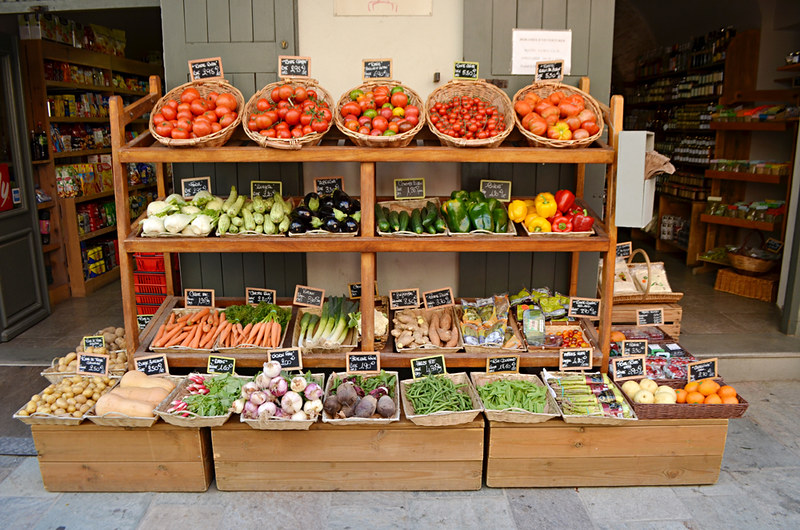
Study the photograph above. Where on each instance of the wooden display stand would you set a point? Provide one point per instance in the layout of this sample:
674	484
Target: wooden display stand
396	456
625	315
644	453
89	457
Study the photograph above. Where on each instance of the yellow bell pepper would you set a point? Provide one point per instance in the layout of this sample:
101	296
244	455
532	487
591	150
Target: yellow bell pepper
537	224
530	204
546	205
517	210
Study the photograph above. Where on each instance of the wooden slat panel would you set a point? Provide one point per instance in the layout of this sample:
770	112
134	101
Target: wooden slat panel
190	270
225	176
578	14
246	83
211	271
504	16
219	30
125	476
601	25
284	29
477	35
241	21
529	14
265	78
195	21
264	12
554	14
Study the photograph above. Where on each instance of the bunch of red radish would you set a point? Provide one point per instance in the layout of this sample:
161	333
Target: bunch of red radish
558	116
198	386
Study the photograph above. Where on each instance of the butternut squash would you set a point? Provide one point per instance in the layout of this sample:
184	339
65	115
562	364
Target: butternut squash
139	379
116	404
154	396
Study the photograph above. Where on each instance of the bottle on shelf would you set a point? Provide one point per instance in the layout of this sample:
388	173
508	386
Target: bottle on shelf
41	141
44	226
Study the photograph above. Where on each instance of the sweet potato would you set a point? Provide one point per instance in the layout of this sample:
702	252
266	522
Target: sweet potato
432	330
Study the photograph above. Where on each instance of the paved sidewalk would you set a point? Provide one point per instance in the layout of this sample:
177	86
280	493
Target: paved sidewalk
759	488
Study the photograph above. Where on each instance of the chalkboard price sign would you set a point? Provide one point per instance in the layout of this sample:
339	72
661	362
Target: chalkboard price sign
404	299
433	365
92	364
497	189
193	186
575	359
153	365
706	369
220	365
377	69
290	358
308	296
584	307
650	317
628	367
95	341
355	290
327	185
409	189
293	66
266	188
363	362
198	297
624	249
209	68
503	365
438	298
255	295
549	70
634	347
773	245
465	70
143	320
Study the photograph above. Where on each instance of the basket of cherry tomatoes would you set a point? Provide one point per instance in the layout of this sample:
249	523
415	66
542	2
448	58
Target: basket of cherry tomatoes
470	114
288	114
557	115
380	113
202	113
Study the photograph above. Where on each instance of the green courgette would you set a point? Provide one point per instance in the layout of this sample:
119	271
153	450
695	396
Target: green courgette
416	221
404	219
380	219
394	220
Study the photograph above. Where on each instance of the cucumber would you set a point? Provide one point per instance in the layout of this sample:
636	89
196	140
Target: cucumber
429	214
404	219
416	221
380	220
439	225
394	220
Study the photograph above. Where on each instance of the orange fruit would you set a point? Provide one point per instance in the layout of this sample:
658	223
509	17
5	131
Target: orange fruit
727	391
713	399
681	395
617	336
730	400
694	398
708	387
691	387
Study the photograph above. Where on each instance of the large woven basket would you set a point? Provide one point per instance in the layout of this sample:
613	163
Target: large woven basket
327	418
286	143
365	140
204	87
192	420
750	265
513	415
444	417
646	297
688	411
544	89
481	89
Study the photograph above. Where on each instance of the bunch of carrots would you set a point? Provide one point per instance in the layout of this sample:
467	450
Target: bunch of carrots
198	330
266	334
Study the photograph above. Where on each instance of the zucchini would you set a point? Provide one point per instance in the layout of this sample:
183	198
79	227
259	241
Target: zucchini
237	221
380	219
234	210
230	200
416	221
404	219
249	223
394	220
224	223
429	214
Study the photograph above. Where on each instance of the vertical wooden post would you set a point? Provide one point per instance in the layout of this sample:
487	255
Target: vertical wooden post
368	259
580	179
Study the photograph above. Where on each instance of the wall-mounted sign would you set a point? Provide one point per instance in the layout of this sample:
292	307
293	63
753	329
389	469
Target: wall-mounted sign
531	46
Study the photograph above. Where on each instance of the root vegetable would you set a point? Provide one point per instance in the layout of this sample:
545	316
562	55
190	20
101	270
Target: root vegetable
445	335
299	416
347	395
332	405
432	330
278	386
299	384
446	321
453	342
272	369
366	407
313	391
291	402
312	408
250	387
267	410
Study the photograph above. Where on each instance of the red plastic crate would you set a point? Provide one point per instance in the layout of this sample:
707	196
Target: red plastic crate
149	262
150	289
151	299
149	278
147	309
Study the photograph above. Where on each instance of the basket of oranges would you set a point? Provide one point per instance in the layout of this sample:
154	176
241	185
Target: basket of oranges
705	399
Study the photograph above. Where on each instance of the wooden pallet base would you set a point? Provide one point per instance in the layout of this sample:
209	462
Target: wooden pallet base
625	314
89	457
645	453
397	456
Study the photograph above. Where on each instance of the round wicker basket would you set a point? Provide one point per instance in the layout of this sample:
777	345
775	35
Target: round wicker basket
480	89
543	90
204	87
365	140
749	264
286	143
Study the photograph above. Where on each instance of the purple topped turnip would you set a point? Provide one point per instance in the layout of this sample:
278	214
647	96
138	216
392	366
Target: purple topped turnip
299	384
278	386
313	391
312	408
291	402
248	388
258	397
272	369
267	410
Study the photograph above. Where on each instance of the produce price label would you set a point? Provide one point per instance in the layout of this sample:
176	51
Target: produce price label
209	68
438	298
409	189
355	290
327	185
634	347
293	66
497	189
503	365
308	296
266	188
220	365
628	367
95	341
377	69
465	70
584	307
773	245
624	249
290	358
193	186
549	70
404	299
143	320
198	297
363	362
153	365
575	359
94	364
706	369
255	295
650	317
433	365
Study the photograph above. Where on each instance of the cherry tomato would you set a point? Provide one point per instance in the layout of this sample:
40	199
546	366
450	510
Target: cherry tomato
253	125
262	121
285	92
300	94
262	104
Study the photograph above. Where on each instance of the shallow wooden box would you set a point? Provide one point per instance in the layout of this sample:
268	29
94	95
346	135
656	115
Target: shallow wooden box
644	453
625	315
90	457
396	456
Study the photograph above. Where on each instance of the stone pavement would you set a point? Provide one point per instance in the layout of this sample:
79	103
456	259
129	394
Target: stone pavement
759	487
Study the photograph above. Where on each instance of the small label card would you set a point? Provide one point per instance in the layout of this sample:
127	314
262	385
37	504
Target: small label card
508	364
293	66
153	365
465	70
496	189
95	341
198	298
209	68
624	249
193	186
584	308
363	362
773	245
549	70
266	188
628	367
220	365
143	320
327	185
255	295
404	299
376	69
290	358
92	364
308	296
355	290
438	298
634	347
433	365
706	369
409	188
575	359
650	317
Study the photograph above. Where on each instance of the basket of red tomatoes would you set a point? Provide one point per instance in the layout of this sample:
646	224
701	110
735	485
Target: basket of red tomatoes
557	115
380	113
288	114
470	114
202	113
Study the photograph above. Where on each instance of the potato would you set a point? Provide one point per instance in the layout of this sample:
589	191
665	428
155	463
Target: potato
30	407
119	332
70	357
109	337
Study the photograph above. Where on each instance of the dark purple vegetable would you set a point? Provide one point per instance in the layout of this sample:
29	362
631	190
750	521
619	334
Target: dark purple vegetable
366	407
386	407
347	395
332	405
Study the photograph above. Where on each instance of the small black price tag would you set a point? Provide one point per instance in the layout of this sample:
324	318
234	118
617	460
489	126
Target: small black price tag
438	298
465	70
584	308
363	362
404	299
265	188
289	358
624	249
634	347
308	296
376	69
92	364
503	365
773	245
355	290
496	189
433	365
549	70
143	320
95	341
153	365
628	367
255	295
220	365
409	188
209	68
706	369
575	359
650	317
327	185
198	298
193	186
293	66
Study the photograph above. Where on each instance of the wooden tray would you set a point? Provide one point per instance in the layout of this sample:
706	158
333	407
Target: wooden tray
409	205
326	418
593	420
193	420
429	348
243	348
113	419
181	349
443	417
685	410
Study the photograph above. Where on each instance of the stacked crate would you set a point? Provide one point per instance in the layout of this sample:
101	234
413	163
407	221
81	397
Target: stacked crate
150	282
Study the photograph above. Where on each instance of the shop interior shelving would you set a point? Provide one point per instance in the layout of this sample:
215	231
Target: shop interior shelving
240	149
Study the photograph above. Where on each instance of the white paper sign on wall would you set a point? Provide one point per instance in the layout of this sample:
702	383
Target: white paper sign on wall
529	46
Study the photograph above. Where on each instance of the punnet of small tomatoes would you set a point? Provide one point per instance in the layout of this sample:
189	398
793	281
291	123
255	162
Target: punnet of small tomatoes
194	115
290	112
379	111
557	116
471	118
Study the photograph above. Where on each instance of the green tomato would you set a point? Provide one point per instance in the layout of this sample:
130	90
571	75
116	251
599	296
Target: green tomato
389	132
370	113
355	93
397	89
387	105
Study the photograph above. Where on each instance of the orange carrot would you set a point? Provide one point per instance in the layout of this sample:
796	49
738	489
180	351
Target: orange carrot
262	326
167	336
171	319
251	336
188	338
202	313
246	330
276	334
161	330
176	340
195	343
225	331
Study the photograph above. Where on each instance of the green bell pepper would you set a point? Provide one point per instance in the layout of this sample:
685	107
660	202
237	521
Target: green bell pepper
477	196
480	217
494	204
459	195
500	220
457	217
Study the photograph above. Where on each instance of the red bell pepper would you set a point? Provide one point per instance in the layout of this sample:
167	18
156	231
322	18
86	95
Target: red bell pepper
564	200
582	221
562	224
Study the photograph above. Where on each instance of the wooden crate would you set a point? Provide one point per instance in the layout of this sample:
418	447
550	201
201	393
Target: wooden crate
626	315
764	288
89	457
647	452
396	456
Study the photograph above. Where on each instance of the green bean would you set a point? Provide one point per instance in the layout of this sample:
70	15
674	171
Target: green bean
437	394
505	393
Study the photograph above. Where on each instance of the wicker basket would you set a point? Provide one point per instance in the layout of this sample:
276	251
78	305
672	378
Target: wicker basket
730	281
646	297
349	344
492	350
480	89
685	410
50	419
543	90
365	140
430	349
564	235
181	349
444	417
409	205
193	420
113	419
204	87
750	265
594	420
286	143
379	343
283	424
551	409
376	420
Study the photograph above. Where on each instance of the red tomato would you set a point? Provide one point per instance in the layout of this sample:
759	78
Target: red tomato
326	114
375	132
404	126
184	107
210	115
185	123
312	94
272	115
351	108
297	132
300	94
221	111
538	127
587	115
282	112
566	108
226	100
399	99
292	117
227	119
411	110
190	94
252	125
164	128
215	127
169	112
305	118
522	107
352	125
543	104
212	97
364	121
285	92
179	133
262	104
364	130
172	104
198	106
307	129
556	97
381	99
158	117
379	123
413	120
275	95
284	133
262	121
573	122
591	127
202	127
386	113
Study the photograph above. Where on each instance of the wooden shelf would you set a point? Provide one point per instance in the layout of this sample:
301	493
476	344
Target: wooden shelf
688	131
110	193
40	162
77	86
83	152
748	125
96	233
126	92
742	176
790	68
51	247
77	119
735	221
45	205
667	102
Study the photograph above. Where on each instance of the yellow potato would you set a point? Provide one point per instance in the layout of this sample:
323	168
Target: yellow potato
77	414
48	390
87	393
59	412
83	408
95	396
76	379
30	407
90	402
36	398
80	398
50	398
71	401
22	413
70	357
